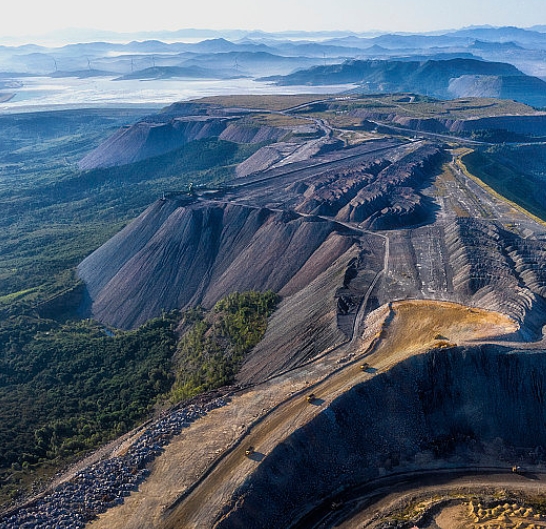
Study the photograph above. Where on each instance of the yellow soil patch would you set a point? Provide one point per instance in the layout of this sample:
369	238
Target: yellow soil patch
418	326
455	517
475	516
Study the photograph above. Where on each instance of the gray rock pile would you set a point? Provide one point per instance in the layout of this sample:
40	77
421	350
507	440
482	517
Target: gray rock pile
105	484
499	270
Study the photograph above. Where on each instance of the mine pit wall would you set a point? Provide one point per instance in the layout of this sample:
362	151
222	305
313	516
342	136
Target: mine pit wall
158	135
496	269
461	407
313	320
473	262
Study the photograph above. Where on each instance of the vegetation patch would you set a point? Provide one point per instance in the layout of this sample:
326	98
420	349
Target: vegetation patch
66	389
495	168
214	344
10	298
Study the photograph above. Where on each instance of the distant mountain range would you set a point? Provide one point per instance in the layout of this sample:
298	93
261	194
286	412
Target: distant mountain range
326	57
438	78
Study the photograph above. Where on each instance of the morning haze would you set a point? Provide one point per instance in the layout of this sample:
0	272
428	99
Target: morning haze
275	265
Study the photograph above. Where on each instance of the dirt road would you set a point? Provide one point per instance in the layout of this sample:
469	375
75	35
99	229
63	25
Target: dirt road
199	472
454	499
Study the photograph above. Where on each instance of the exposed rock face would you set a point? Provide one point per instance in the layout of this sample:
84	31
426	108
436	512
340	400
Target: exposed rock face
461	406
250	133
175	255
473	262
496	268
528	89
380	195
533	125
329	193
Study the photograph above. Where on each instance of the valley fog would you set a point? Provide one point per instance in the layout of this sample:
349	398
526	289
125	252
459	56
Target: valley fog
46	93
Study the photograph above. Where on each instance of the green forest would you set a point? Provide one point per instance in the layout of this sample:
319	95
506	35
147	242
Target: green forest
67	388
216	343
68	385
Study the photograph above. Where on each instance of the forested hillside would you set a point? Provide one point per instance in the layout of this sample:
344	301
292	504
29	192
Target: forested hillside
68	385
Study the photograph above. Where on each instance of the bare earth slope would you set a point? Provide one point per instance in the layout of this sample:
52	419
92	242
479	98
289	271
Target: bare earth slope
355	240
193	254
147	139
163	133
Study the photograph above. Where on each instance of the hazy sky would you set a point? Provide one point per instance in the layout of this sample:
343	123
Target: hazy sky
36	17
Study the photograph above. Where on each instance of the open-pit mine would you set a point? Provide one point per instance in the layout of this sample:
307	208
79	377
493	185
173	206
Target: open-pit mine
401	381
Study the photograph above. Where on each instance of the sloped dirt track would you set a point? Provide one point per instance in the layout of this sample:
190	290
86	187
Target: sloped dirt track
162	501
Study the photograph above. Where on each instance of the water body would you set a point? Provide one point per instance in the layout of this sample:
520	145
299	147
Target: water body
46	93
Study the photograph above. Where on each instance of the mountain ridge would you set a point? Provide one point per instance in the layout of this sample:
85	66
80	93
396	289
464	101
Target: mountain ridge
437	78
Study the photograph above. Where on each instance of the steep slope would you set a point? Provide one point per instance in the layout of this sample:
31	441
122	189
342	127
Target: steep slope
494	267
320	316
161	134
459	407
176	255
393	199
519	88
146	139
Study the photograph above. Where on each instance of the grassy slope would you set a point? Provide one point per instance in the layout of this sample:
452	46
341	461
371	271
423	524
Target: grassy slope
503	171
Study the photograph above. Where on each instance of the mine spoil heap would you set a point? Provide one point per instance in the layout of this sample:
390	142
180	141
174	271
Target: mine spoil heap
367	246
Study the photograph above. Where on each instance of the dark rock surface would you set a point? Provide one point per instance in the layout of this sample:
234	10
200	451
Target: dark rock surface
177	255
496	268
380	195
458	407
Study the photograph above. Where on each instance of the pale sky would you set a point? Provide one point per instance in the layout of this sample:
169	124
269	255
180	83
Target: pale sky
37	17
